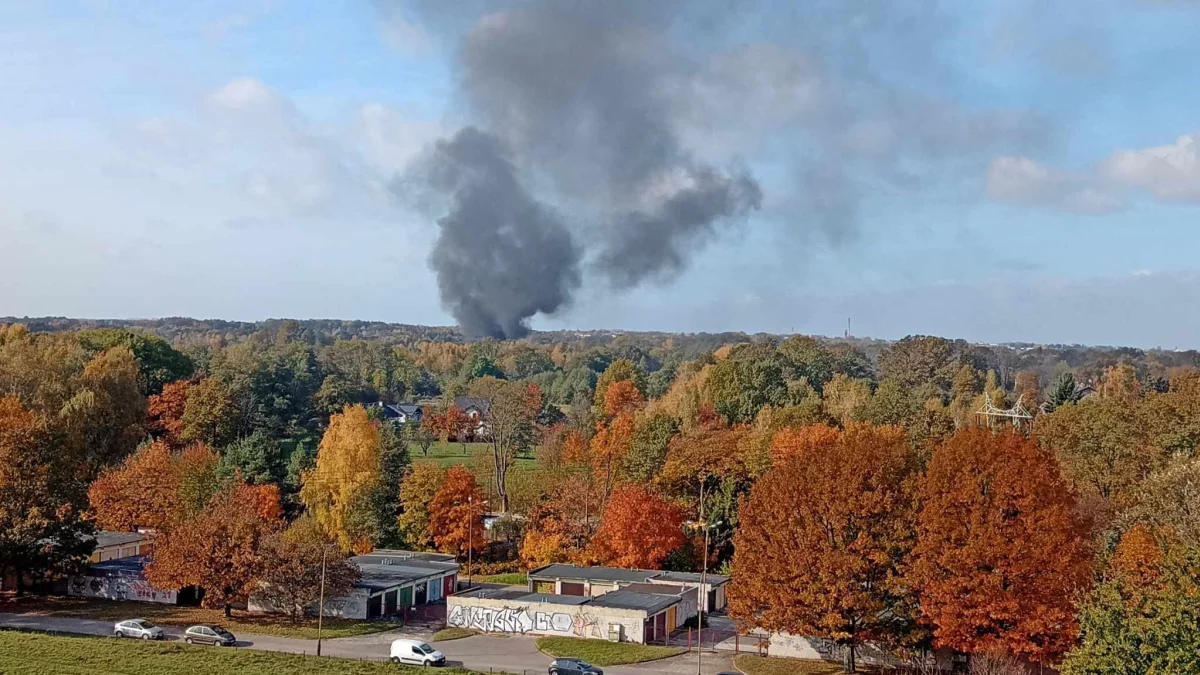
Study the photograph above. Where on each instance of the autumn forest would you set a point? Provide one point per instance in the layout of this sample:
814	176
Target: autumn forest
851	488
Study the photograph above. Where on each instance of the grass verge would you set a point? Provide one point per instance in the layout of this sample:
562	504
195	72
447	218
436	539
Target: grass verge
453	634
41	654
773	665
510	579
172	615
602	653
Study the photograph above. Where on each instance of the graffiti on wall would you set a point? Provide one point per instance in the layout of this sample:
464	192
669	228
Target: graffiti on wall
119	588
521	620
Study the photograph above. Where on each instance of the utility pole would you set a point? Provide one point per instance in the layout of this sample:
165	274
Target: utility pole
470	537
700	597
321	605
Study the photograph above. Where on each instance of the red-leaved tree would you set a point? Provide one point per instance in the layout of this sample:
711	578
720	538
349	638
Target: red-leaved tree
823	535
1001	553
222	548
639	529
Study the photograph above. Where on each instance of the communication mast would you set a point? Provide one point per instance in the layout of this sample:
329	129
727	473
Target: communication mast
1017	414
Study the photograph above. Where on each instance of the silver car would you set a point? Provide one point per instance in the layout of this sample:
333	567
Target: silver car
138	628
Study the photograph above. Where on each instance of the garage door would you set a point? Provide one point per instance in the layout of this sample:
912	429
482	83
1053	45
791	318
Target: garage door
546	587
435	590
406	596
569	588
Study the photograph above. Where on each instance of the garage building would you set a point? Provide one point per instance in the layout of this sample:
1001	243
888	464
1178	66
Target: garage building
563	579
619	616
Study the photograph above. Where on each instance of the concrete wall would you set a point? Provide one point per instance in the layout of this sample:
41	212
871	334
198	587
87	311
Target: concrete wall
800	647
541	618
352	606
119	588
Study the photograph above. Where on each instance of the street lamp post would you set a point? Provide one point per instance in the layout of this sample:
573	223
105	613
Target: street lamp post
470	537
700	589
471	534
321	604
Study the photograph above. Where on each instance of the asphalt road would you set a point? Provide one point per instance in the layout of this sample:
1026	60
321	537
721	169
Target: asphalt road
511	654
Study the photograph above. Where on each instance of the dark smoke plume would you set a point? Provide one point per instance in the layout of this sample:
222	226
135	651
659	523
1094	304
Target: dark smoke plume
582	94
634	118
501	257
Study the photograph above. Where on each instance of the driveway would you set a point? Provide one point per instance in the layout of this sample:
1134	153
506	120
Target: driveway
512	654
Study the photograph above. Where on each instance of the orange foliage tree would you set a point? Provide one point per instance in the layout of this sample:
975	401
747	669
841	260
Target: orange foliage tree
639	529
1001	552
222	548
165	411
561	527
823	535
154	487
614	436
456	513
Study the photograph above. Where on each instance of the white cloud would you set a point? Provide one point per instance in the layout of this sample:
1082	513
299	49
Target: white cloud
1020	180
1170	172
401	34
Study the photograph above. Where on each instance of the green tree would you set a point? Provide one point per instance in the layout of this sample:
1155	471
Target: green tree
257	457
158	362
1065	391
808	359
921	359
1131	630
741	387
648	453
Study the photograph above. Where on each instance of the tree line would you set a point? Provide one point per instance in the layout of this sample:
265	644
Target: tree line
854	494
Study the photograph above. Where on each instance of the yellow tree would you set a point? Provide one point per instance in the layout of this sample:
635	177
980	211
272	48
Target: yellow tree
340	489
614	437
416	493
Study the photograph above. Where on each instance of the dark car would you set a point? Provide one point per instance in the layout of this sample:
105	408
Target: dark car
573	667
208	634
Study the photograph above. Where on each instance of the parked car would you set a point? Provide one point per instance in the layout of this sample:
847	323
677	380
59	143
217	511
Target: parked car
138	628
209	634
415	651
573	667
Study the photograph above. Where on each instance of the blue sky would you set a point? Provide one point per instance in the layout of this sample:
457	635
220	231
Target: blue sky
1017	171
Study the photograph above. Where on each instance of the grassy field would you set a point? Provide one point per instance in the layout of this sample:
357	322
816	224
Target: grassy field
771	665
510	579
453	634
603	653
41	654
171	615
449	454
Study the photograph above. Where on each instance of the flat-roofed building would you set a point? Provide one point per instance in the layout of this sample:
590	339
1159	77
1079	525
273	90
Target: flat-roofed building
564	579
619	616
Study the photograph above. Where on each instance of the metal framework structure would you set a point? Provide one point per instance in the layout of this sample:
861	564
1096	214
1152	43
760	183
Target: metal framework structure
1018	414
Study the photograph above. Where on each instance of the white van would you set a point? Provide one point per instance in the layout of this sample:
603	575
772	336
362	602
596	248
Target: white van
417	652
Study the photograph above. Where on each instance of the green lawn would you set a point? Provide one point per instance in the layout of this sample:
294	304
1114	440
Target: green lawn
603	653
41	654
449	454
772	665
453	634
173	615
510	579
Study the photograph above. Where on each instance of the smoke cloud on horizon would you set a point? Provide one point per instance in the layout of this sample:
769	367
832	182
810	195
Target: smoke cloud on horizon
626	132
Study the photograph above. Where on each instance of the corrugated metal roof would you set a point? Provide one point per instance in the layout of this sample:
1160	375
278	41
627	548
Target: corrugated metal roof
107	538
553	599
573	572
649	603
664	589
693	578
379	577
